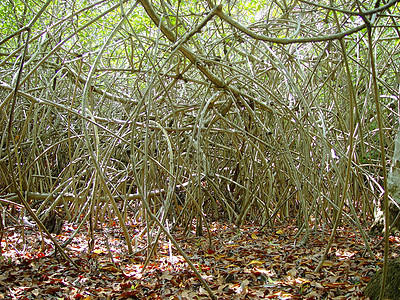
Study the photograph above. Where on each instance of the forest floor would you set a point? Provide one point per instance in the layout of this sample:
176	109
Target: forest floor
241	263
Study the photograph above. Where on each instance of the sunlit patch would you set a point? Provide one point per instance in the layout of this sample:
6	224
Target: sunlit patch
343	254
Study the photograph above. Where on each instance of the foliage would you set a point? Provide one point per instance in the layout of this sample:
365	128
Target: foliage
181	110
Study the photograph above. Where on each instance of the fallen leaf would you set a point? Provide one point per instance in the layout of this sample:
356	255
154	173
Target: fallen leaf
256	262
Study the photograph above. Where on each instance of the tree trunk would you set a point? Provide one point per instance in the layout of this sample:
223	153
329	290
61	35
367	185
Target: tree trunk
394	193
394	185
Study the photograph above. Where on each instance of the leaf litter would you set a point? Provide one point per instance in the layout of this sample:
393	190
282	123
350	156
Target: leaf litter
242	263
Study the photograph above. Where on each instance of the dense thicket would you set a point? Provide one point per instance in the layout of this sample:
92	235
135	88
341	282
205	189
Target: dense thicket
187	110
